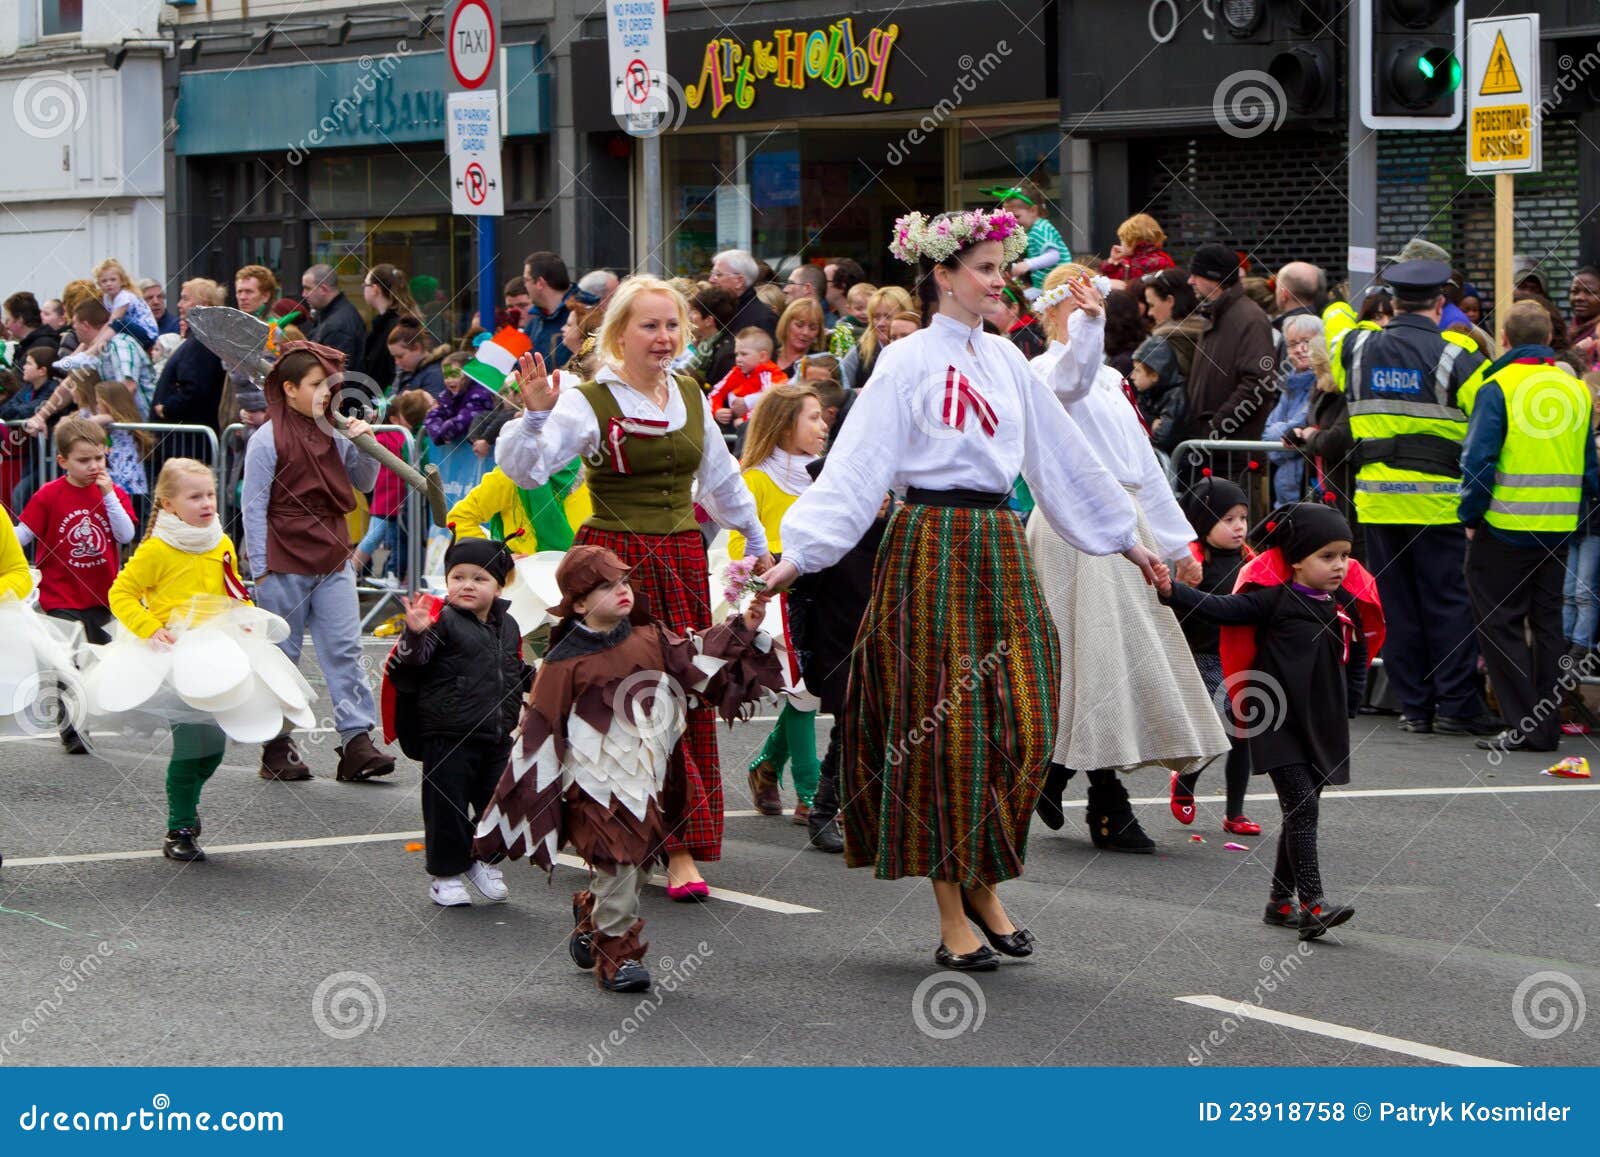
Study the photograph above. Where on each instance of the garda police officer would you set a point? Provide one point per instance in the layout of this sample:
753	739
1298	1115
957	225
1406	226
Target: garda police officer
1402	383
1528	461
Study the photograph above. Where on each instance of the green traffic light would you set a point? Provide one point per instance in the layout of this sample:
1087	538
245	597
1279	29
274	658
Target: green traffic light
1425	66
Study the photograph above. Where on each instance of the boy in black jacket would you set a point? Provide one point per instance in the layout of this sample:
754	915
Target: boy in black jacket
459	681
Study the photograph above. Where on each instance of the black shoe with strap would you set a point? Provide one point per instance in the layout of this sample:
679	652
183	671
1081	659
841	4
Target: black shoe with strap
1112	824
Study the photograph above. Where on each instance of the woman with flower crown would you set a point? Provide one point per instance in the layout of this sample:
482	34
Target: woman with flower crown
955	674
1144	702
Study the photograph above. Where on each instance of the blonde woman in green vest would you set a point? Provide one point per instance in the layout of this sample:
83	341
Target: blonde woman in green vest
652	452
1527	465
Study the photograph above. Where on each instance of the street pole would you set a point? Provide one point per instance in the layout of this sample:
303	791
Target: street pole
1362	166
1504	245
654	259
483	252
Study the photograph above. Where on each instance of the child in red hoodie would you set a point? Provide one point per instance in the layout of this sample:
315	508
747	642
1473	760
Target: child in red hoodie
754	372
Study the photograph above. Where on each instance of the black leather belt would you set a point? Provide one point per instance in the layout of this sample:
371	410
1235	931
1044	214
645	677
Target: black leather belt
965	499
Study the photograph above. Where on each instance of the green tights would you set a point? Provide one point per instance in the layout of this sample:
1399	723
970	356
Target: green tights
196	753
793	740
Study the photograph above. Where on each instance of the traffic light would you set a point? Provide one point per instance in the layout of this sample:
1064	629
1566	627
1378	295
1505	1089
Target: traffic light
1300	34
1410	63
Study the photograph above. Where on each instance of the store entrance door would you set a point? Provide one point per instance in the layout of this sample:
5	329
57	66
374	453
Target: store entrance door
856	182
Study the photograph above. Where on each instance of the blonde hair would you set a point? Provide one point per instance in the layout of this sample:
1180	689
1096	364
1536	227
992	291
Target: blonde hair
1141	227
204	291
116	266
859	294
812	311
619	313
898	300
1323	368
117	398
770	294
166	487
1066	271
776	415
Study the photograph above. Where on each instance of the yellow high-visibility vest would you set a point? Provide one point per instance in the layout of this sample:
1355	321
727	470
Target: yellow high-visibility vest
1538	480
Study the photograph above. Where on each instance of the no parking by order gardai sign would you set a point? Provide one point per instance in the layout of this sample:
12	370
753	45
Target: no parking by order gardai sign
636	37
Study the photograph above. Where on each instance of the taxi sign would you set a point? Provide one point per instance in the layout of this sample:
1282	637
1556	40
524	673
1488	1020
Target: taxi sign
1503	110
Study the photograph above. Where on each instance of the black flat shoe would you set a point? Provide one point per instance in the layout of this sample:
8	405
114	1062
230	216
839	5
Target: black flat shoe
1416	725
1048	805
180	845
1511	741
1315	919
983	959
1018	943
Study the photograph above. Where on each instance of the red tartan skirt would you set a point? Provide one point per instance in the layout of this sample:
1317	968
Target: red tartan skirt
669	570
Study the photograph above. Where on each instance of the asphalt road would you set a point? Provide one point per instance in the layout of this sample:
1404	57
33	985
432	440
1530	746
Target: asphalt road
1477	935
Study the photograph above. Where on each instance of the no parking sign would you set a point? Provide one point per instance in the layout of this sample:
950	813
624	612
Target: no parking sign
472	138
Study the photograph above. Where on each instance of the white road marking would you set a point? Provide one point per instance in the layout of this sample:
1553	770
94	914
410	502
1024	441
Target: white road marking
1393	1044
782	907
1382	793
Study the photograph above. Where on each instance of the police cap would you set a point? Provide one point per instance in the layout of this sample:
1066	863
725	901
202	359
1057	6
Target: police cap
1417	278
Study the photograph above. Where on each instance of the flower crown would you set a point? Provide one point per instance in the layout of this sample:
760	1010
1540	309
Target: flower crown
916	237
1051	298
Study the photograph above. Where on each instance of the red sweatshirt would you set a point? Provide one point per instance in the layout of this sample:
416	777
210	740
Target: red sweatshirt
739	384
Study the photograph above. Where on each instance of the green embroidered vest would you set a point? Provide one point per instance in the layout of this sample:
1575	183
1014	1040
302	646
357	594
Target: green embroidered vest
655	495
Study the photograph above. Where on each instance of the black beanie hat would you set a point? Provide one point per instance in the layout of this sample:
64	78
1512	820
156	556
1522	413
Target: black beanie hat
1300	530
1208	501
491	555
1217	262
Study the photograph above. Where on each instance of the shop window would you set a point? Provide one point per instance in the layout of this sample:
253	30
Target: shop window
1004	150
412	180
739	191
60	17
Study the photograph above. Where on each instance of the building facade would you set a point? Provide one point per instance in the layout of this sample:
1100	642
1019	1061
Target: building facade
83	177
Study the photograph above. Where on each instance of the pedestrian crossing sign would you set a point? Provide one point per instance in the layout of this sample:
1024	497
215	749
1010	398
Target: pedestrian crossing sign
1503	121
1500	75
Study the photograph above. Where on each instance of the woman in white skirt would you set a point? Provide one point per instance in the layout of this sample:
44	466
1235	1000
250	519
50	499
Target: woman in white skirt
1130	692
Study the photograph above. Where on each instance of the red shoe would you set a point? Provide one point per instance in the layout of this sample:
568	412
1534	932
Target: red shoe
691	893
1182	802
1241	826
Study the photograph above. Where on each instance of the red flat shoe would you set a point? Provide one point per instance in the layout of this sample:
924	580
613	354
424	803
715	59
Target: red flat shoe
691	893
1182	802
1241	826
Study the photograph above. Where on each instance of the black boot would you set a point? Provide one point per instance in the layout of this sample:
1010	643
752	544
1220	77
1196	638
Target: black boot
1112	825
823	823
1048	805
180	845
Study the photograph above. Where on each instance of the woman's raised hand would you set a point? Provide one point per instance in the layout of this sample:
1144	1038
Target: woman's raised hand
538	388
1089	299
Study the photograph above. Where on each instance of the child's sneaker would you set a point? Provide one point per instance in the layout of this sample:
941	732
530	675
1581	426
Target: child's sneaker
449	892
488	880
1282	914
1317	918
630	976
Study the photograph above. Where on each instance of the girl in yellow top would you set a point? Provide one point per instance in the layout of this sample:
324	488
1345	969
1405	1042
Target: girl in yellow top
14	576
787	433
184	553
546	515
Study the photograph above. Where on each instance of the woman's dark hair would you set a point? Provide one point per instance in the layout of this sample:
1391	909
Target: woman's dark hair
1378	302
1171	285
393	285
409	332
1124	324
713	301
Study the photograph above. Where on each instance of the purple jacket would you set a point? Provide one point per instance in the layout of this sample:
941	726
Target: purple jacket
450	420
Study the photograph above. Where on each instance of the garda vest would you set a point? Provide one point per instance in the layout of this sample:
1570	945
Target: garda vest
1538	481
641	483
1409	435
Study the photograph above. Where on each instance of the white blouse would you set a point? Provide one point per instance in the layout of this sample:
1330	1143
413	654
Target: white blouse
1096	403
903	431
532	449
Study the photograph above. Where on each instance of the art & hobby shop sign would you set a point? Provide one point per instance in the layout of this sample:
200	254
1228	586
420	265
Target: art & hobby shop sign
831	66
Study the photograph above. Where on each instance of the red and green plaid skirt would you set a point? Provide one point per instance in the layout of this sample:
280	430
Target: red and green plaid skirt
953	691
670	571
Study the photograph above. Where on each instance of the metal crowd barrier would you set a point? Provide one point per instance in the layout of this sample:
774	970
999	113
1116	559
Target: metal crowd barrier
1189	458
414	519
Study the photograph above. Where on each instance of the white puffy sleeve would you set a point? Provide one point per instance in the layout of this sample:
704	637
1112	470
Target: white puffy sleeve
1082	500
837	510
1167	522
535	446
1074	373
720	488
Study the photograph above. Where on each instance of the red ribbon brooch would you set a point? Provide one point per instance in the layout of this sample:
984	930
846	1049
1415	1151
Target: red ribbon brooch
961	398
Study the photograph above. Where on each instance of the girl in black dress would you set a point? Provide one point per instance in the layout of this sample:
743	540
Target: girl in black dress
1297	674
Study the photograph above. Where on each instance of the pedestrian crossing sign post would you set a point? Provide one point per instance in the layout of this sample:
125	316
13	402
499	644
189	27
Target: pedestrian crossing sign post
1503	104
